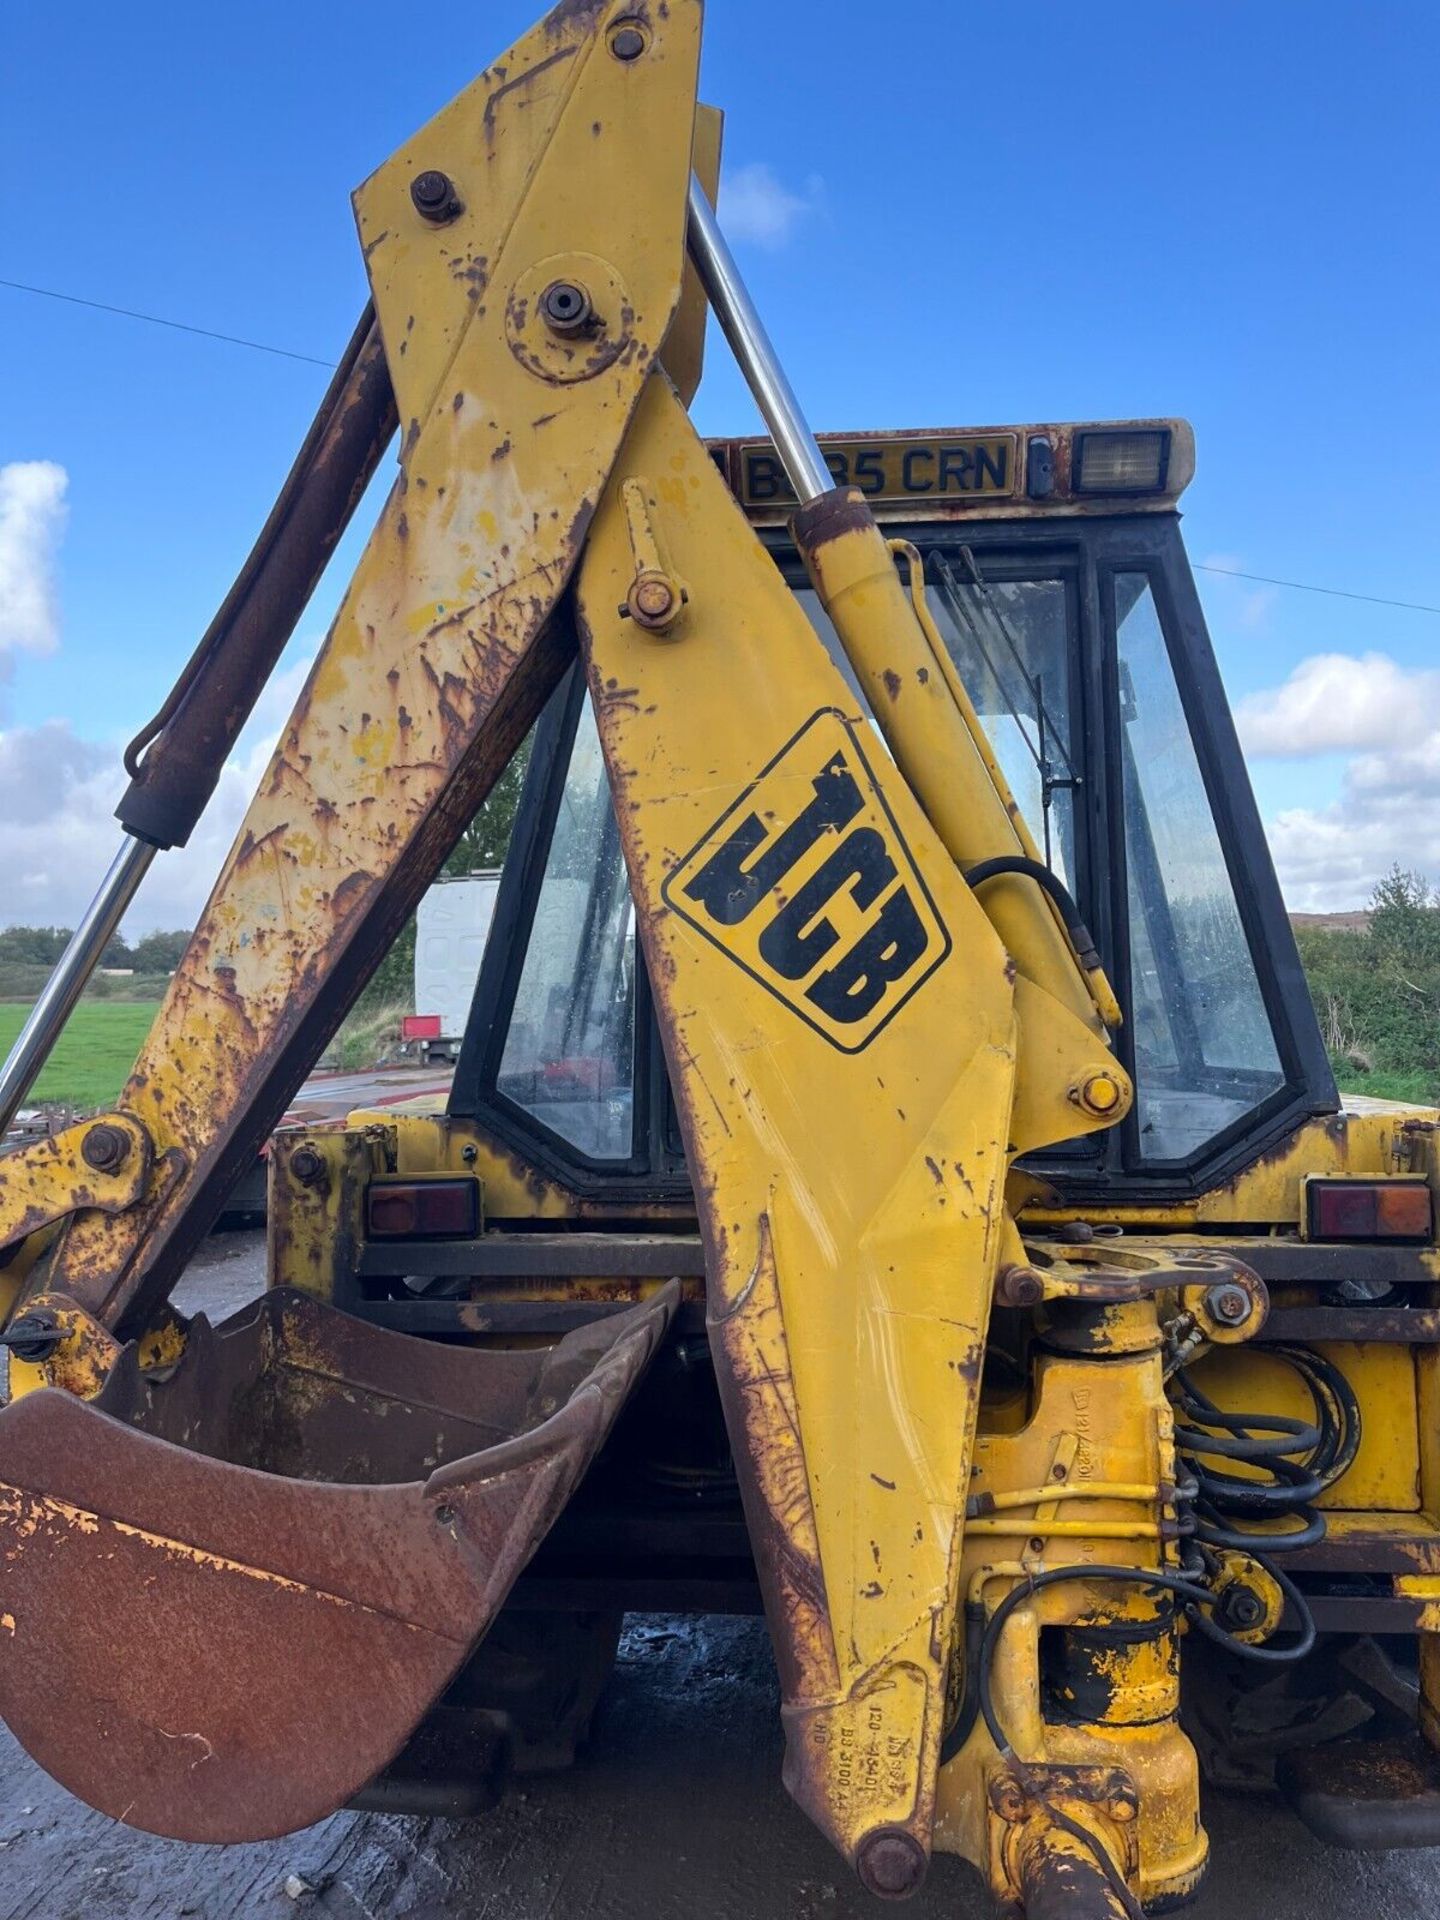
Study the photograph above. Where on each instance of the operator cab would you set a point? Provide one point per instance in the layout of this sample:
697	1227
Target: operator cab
1058	580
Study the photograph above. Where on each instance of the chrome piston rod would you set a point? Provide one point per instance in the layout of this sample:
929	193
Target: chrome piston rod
742	326
74	968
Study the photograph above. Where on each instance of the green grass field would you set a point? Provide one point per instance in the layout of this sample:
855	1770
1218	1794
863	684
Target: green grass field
1418	1089
93	1055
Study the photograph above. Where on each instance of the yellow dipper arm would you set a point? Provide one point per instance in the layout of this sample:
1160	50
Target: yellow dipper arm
840	1020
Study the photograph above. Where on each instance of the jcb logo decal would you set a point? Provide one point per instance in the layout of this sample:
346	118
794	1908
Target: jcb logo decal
807	883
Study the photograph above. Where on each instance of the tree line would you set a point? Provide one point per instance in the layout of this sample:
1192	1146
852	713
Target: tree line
1377	991
1376	988
42	946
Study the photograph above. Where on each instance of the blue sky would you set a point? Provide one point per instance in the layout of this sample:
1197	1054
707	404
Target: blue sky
950	213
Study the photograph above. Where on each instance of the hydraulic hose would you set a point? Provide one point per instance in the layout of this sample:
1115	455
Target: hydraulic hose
1080	936
175	760
1292	1462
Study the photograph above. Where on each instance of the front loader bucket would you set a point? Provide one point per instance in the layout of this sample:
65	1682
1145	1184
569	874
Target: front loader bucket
228	1594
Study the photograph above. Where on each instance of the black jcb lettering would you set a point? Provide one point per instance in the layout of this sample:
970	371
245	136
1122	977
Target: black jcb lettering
839	466
805	881
909	470
739	874
799	937
885	952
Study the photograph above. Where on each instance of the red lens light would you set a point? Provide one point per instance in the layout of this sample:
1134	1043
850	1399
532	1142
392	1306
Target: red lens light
423	1209
391	1212
1369	1210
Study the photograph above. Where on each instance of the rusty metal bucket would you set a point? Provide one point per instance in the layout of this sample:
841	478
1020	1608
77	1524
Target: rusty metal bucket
228	1594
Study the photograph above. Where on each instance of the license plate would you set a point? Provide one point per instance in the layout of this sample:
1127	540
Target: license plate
924	469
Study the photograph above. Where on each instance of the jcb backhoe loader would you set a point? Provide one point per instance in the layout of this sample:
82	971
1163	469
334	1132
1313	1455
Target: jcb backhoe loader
893	1175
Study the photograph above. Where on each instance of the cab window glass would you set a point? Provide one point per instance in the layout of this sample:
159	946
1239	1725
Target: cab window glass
1205	1053
569	1050
1010	642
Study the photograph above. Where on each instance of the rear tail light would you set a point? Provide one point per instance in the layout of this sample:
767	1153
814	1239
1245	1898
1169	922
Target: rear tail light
1394	1209
422	1209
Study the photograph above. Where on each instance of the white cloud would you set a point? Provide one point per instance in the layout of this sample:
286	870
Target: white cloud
62	790
32	518
1342	703
756	206
1387	718
1330	858
59	789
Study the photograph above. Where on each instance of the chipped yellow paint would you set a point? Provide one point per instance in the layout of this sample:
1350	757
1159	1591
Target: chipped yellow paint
23	1514
502	461
1100	1433
849	1155
1268	1191
79	1365
314	1229
48	1179
853	1168
163	1344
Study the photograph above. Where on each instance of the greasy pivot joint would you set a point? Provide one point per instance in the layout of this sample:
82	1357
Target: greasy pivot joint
654	601
628	40
566	307
655	597
33	1337
105	1148
1100	1093
1019	1286
434	197
307	1164
891	1863
1229	1303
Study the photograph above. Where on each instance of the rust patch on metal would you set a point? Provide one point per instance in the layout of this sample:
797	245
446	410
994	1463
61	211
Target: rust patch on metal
60	1174
842	510
82	1362
205	1647
1066	1882
971	1365
760	1403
